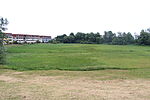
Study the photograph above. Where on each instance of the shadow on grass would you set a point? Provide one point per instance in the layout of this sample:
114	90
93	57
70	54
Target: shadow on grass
94	69
69	69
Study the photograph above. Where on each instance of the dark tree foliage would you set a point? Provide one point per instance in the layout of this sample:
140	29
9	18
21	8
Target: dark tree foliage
79	37
120	38
108	37
144	38
95	38
3	24
60	38
2	49
123	39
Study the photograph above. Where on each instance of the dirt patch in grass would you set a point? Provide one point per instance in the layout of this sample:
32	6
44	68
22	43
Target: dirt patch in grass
86	89
9	79
70	88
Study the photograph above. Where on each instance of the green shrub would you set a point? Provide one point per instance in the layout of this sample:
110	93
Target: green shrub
15	42
2	49
38	41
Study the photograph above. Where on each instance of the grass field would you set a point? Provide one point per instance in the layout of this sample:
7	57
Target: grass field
75	72
80	57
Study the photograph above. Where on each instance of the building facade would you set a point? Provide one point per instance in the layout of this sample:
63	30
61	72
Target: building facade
25	38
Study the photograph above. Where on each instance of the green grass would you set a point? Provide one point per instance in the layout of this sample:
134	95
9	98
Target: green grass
41	71
78	57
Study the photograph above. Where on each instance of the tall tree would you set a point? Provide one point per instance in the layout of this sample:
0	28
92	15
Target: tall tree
79	37
99	39
60	38
129	38
144	38
3	24
123	39
72	38
108	37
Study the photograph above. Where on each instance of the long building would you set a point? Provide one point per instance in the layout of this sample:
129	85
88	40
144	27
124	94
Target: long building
25	38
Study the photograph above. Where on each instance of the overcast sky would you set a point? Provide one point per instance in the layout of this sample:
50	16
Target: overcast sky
56	17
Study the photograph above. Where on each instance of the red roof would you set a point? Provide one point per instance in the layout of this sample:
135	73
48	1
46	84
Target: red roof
29	35
9	33
46	36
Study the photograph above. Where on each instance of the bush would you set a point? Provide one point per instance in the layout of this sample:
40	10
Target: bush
38	41
2	49
53	41
15	42
2	55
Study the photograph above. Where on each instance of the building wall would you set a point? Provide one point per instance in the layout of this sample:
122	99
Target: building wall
8	38
22	38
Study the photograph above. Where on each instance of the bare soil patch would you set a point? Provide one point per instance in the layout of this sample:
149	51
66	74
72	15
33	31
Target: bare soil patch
69	88
9	79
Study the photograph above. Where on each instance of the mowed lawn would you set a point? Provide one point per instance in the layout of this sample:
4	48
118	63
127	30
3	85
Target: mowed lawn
79	57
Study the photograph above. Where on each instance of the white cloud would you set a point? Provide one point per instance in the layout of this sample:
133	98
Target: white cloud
55	17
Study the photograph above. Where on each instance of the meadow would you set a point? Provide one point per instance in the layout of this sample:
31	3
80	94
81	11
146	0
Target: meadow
78	57
75	72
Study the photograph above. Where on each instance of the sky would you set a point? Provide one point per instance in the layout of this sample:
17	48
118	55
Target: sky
57	17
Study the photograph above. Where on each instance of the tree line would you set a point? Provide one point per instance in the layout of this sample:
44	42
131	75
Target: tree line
120	38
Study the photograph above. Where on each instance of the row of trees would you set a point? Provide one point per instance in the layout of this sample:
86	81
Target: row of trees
120	38
3	24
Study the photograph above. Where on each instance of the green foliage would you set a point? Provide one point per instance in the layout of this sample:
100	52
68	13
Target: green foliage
89	38
53	41
83	57
38	41
3	24
144	38
2	49
95	38
123	39
108	37
15	42
60	38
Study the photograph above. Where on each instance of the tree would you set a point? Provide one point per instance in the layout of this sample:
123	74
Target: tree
72	38
123	39
3	24
99	39
108	37
144	38
129	38
141	39
80	37
92	37
118	39
60	38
